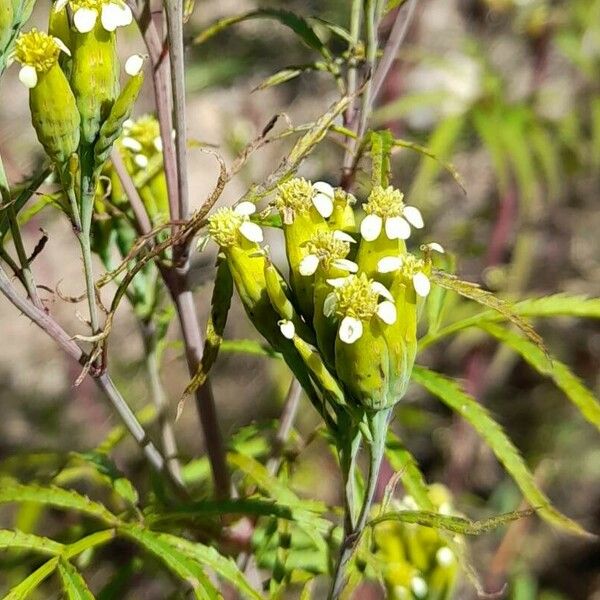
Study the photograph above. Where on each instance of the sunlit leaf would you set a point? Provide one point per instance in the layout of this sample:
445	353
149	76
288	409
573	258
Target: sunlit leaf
28	541
450	392
73	583
562	376
54	496
451	523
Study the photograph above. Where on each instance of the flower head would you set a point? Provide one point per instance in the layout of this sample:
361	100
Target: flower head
385	209
411	268
227	224
141	139
299	196
38	52
328	249
355	300
112	13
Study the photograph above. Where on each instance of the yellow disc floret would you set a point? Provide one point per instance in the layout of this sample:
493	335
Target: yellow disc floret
385	203
37	49
223	227
327	247
295	195
356	298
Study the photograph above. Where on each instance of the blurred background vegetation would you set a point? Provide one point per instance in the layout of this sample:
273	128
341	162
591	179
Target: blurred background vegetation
508	91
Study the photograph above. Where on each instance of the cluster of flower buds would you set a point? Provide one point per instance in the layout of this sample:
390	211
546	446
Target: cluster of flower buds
354	295
140	148
72	74
414	562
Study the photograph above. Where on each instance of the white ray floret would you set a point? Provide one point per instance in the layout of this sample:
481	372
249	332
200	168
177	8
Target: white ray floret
435	247
85	19
141	160
351	329
421	284
245	209
444	556
287	329
345	265
419	587
388	264
309	264
251	231
386	311
342	236
370	227
413	215
28	76
131	144
397	228
134	64
380	289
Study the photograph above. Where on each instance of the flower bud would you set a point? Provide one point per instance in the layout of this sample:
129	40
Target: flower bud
53	109
362	356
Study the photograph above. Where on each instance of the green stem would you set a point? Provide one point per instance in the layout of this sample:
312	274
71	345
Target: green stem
86	211
378	423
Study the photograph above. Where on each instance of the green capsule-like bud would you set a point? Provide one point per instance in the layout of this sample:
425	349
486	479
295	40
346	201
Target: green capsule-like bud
141	149
53	108
326	258
94	78
362	357
120	111
303	208
383	229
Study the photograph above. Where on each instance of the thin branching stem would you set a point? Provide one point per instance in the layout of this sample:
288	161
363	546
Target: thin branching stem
103	381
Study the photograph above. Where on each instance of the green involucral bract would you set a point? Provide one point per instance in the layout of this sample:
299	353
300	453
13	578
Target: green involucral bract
301	219
53	109
6	23
94	77
238	239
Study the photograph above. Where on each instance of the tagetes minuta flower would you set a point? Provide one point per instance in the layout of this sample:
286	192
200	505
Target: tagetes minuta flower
329	250
112	13
37	52
410	268
385	210
141	139
356	300
299	195
230	226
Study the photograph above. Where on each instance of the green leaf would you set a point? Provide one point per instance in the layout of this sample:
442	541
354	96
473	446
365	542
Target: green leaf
54	496
109	472
449	392
73	583
297	24
209	557
336	29
187	568
29	584
451	523
560	373
28	541
487	124
288	74
481	296
557	305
